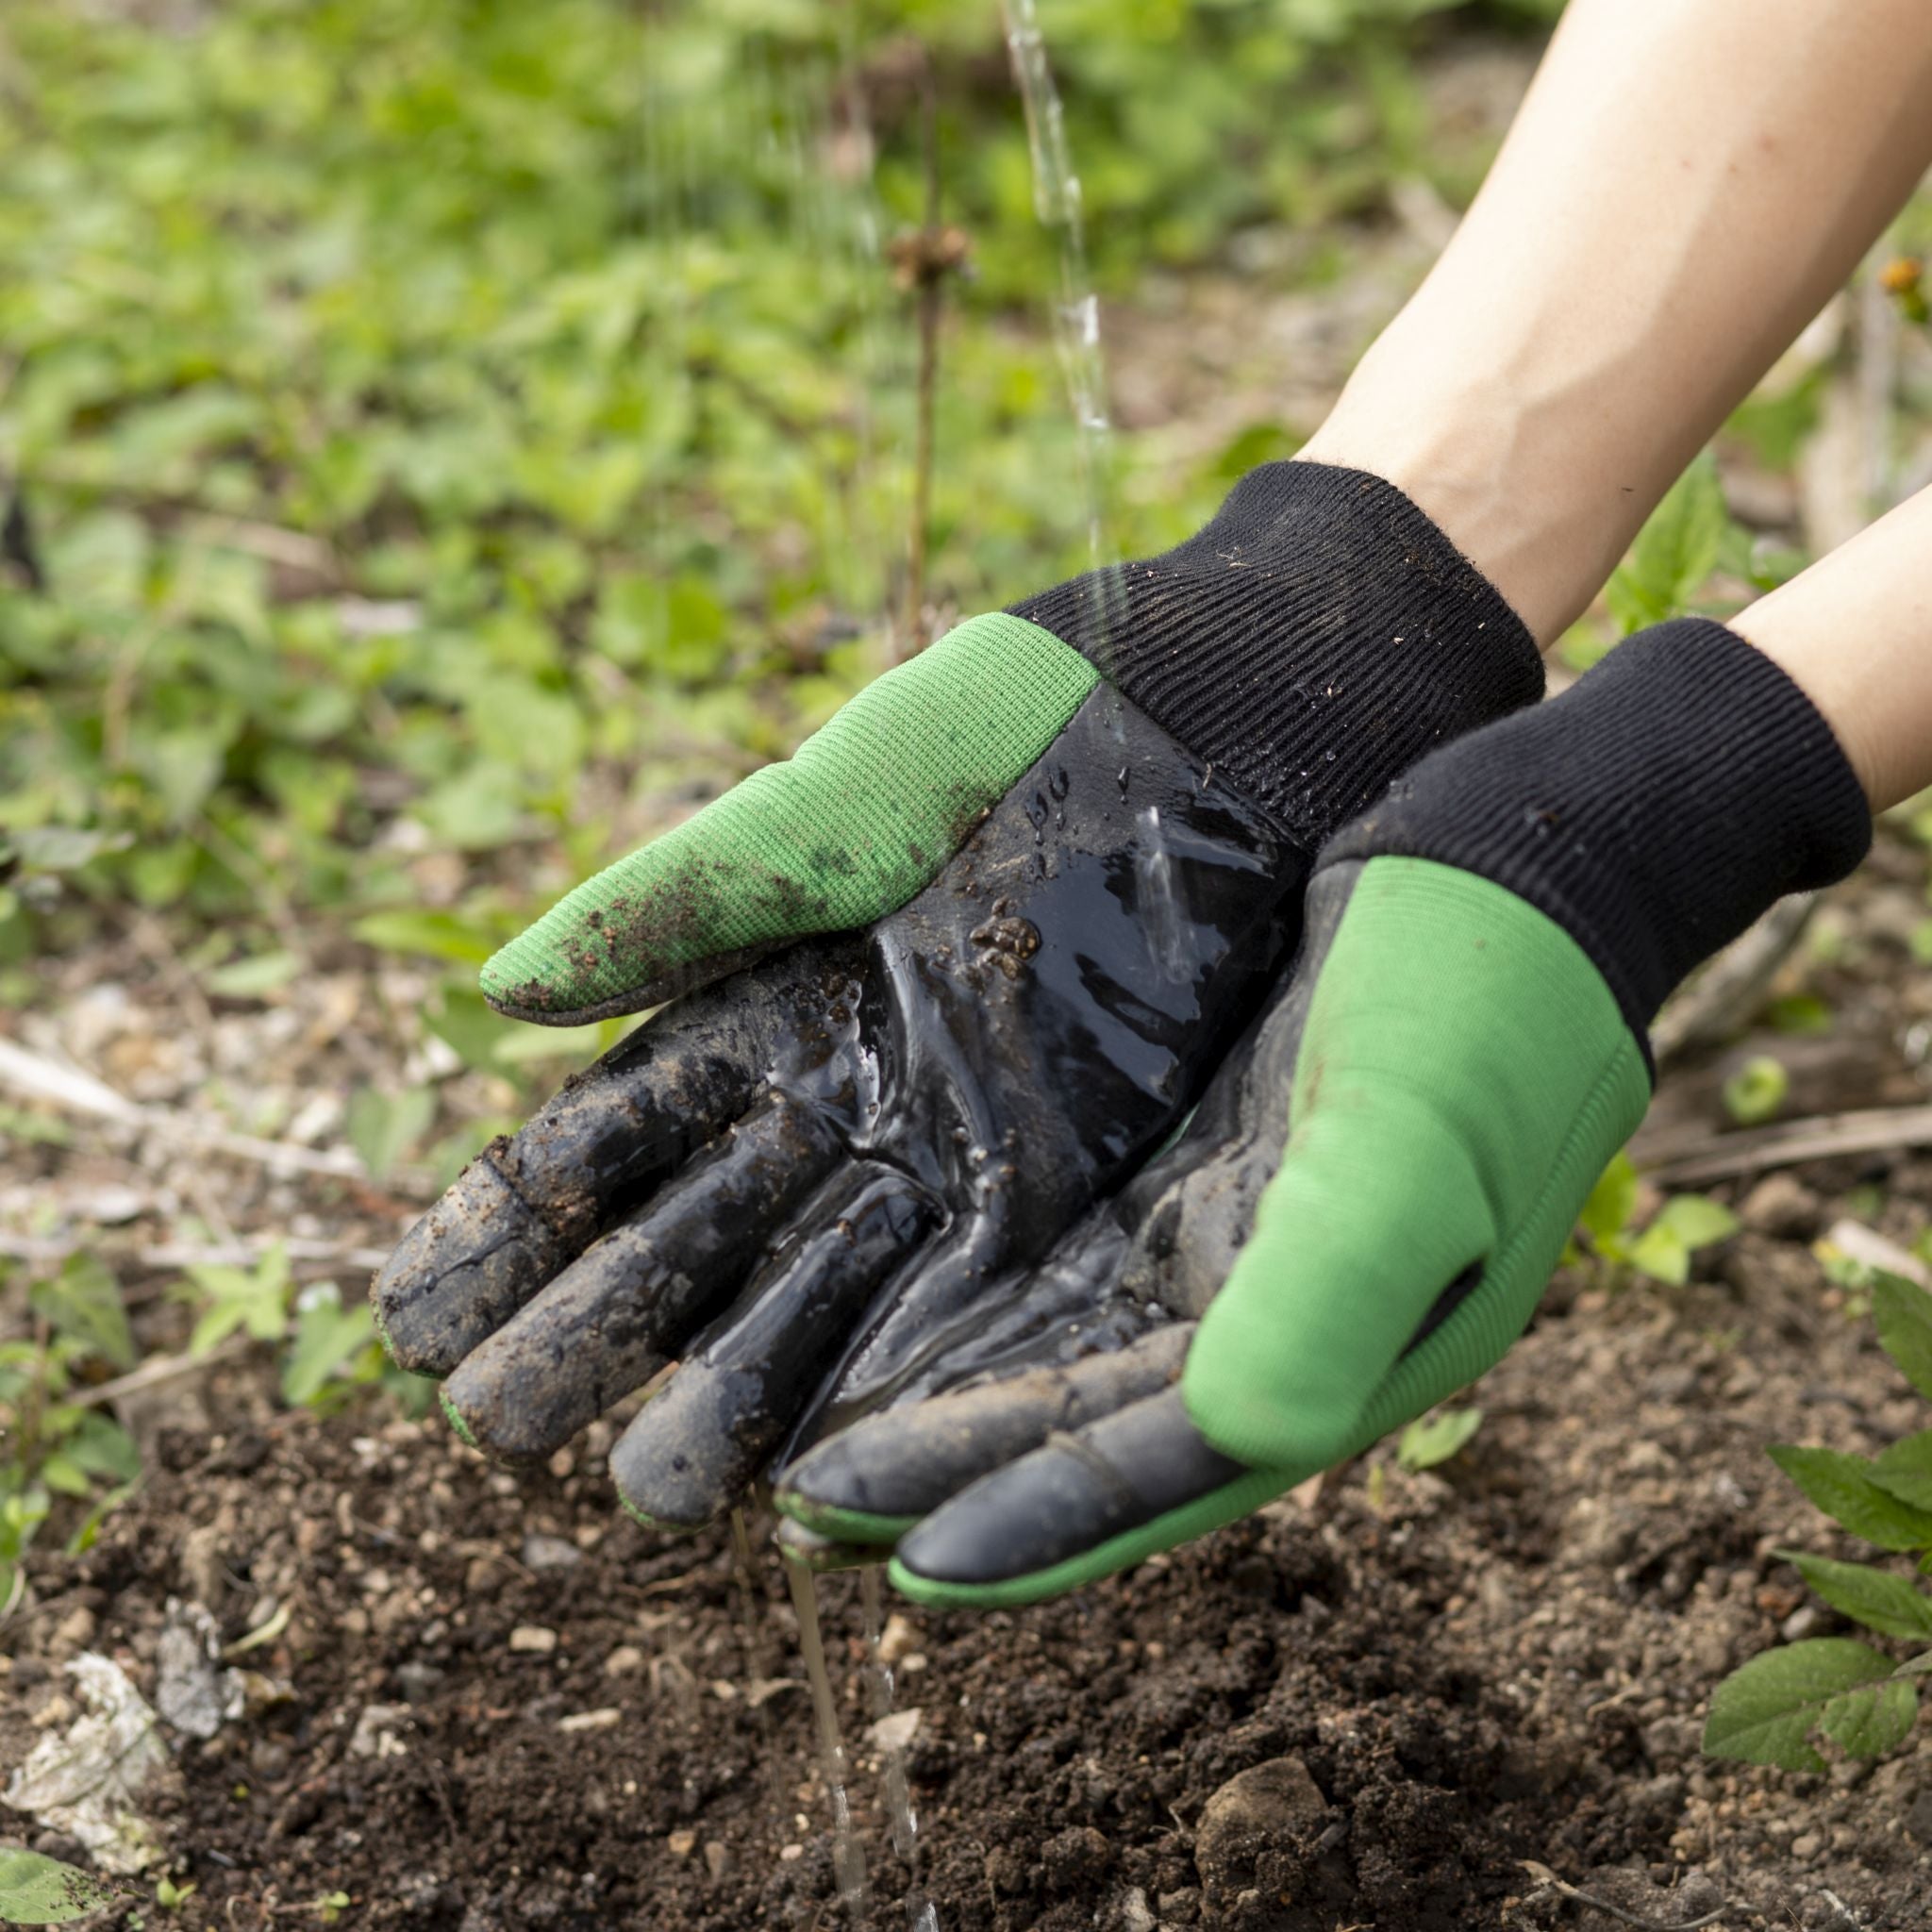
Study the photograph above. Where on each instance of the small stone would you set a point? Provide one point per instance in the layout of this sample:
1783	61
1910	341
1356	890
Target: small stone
1805	1620
375	1735
203	1572
897	1638
590	1720
1807	1847
682	1844
627	1660
74	1631
546	1555
716	1859
893	1734
1782	1206
1267	1808
533	1639
417	1680
790	1854
1136	1915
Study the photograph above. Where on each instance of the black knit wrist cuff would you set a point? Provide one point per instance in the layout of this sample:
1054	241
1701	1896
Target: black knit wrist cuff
1653	812
1319	636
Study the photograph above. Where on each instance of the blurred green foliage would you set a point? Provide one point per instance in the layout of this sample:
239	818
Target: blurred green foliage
441	422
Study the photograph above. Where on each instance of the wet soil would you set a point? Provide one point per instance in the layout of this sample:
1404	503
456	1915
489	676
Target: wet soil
509	1707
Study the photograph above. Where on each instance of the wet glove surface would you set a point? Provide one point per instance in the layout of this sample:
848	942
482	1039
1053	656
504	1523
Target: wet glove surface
984	936
1457	1052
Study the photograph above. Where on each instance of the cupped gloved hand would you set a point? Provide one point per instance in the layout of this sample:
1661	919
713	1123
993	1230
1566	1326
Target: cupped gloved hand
1386	1173
939	982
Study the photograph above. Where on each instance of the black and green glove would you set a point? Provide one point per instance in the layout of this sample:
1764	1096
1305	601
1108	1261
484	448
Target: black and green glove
989	932
1387	1171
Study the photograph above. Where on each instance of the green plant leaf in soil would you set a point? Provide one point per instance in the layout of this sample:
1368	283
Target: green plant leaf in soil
1438	1436
1843	1487
82	1305
1904	1313
1767	1710
37	1890
1663	1250
1756	1091
1879	1599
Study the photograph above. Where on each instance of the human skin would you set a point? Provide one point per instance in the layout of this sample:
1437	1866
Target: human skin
1855	633
1687	183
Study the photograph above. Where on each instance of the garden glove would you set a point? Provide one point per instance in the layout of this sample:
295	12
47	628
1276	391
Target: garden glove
1411	1129
986	936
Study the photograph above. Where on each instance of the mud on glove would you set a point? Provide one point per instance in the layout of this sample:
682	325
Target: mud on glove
1466	1027
1017	896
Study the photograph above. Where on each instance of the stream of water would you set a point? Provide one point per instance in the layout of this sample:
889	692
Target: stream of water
848	1855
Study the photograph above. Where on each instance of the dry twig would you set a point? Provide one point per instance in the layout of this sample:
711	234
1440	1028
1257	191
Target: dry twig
1550	1882
1693	1159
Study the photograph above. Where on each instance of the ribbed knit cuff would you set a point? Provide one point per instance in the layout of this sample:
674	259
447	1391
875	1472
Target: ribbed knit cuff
1653	812
1315	638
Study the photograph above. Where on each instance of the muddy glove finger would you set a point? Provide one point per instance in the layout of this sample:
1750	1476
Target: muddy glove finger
526	1207
696	1446
1082	1505
871	1482
633	1300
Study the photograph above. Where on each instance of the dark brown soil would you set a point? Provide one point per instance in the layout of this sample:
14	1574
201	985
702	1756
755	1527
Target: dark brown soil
506	1707
1507	1662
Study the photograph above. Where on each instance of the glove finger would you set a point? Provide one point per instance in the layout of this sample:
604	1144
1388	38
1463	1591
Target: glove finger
823	1554
1078	1508
871	1482
698	1444
629	1303
526	1207
857	821
957	1320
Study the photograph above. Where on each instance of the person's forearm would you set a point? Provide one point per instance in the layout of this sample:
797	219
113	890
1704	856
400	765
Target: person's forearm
1855	633
1687	183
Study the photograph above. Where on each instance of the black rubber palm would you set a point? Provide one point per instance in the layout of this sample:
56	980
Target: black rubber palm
831	1168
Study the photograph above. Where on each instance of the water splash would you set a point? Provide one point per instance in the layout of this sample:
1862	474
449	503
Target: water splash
1158	900
1076	310
848	1855
901	1823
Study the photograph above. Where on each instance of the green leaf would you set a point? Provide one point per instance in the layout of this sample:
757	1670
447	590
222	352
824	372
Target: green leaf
440	934
1904	1313
1756	1091
35	1890
82	1303
1675	552
1696	1220
1878	1599
1920	1666
1765	1711
252	975
383	1128
1660	1252
1611	1202
1867	1724
1905	1471
1843	1487
1435	1438
327	1335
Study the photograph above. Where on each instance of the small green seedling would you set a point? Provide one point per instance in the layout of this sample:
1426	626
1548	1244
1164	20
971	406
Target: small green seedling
1858	1697
1662	1251
1756	1091
1436	1436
